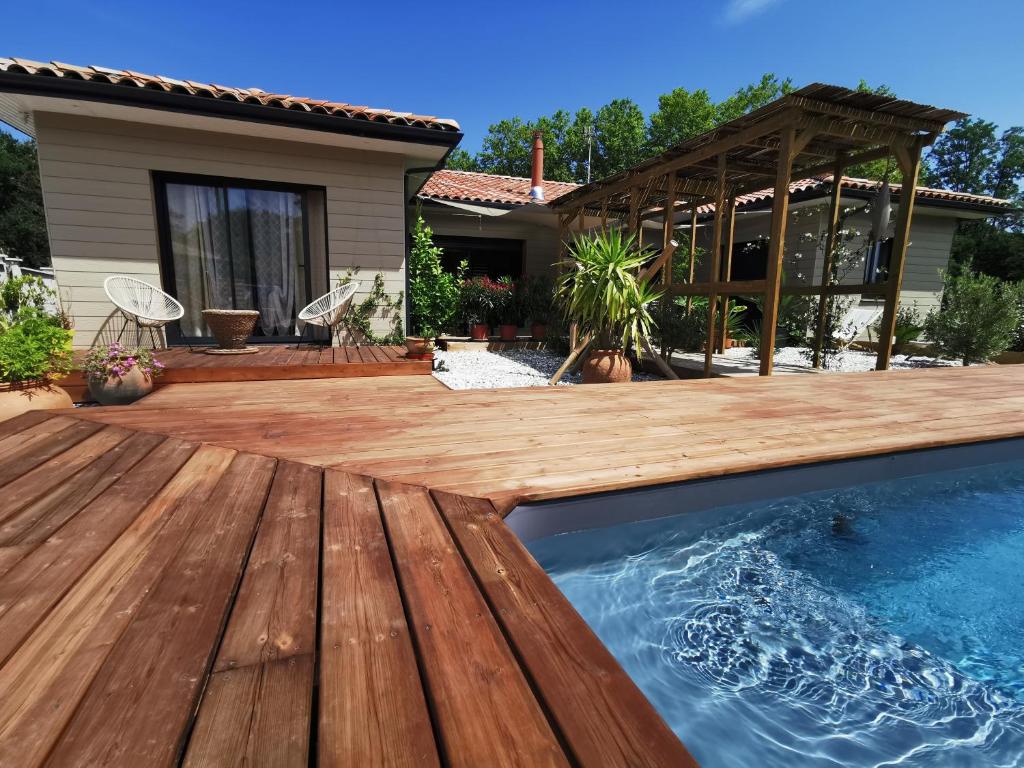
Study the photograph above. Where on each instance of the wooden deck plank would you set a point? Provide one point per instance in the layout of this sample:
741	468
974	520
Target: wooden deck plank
32	587
43	682
257	707
255	716
485	712
372	709
138	707
35	506
604	717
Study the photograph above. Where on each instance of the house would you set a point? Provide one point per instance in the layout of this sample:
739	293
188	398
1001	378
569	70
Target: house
226	197
494	221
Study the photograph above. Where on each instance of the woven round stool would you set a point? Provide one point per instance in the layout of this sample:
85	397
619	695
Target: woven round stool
231	328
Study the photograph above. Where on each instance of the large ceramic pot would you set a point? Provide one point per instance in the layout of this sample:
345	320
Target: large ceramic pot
133	386
22	396
538	332
607	366
231	327
508	332
478	331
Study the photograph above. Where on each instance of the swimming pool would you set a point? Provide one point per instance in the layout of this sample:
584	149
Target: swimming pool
878	624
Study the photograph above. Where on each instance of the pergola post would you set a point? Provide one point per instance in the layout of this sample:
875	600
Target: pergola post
835	205
776	249
716	264
633	223
666	228
909	159
693	253
604	215
730	233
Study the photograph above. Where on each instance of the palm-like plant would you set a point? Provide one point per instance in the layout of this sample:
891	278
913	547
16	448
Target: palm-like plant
602	293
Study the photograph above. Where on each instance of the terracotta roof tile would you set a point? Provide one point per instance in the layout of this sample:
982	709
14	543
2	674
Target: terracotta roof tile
868	185
471	187
132	79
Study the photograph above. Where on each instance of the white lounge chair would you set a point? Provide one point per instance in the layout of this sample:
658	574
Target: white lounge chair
143	304
329	310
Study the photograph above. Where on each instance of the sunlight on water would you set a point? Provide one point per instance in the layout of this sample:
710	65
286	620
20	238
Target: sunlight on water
878	625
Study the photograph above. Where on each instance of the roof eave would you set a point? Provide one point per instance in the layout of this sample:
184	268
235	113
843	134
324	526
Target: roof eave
67	88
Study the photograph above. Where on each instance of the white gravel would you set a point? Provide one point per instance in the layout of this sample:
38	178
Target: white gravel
511	368
846	362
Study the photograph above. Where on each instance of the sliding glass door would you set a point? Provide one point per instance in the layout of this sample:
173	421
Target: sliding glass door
238	245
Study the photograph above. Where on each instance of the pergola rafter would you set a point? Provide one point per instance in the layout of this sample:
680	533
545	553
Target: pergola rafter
819	129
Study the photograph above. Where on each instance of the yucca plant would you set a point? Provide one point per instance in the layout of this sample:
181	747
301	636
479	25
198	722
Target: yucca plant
601	291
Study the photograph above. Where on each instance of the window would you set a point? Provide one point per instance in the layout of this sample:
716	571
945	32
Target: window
750	260
229	244
487	256
876	263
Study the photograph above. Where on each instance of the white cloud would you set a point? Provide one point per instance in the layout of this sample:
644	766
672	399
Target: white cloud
740	10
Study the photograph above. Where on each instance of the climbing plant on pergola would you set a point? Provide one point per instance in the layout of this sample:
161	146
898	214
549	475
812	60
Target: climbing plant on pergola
817	130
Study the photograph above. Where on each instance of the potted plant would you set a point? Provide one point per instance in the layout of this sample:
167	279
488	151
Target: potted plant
476	301
602	293
35	349
506	309
118	375
536	296
422	344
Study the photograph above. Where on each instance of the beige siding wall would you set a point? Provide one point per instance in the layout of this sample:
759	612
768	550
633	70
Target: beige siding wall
100	212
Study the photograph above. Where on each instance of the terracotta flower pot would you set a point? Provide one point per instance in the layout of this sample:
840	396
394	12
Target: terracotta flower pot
22	396
607	366
538	332
133	386
478	331
508	332
419	345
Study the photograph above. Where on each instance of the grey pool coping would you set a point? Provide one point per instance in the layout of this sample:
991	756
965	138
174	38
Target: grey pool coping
548	518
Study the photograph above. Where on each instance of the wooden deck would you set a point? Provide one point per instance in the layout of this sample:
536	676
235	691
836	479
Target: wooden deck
287	573
272	362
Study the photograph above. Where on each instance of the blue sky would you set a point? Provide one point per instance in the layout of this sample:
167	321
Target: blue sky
480	61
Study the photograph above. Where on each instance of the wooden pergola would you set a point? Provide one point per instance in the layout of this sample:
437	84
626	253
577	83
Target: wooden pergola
817	130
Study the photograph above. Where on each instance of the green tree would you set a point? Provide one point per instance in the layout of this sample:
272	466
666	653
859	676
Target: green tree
681	115
461	160
22	222
433	293
963	158
751	97
620	137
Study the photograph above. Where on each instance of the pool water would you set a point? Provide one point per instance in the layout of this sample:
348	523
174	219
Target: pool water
876	625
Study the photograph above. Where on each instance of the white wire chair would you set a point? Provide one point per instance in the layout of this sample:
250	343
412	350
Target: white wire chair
329	310
143	304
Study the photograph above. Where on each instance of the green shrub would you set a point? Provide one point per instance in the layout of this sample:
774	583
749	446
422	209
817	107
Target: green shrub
480	300
678	330
535	295
34	346
978	319
433	293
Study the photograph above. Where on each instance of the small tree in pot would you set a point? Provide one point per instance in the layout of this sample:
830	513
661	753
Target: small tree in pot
506	309
602	293
433	293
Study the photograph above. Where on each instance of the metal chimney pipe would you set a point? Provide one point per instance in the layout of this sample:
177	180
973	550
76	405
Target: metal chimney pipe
537	168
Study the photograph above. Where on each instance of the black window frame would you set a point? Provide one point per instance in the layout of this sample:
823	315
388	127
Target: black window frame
160	179
486	243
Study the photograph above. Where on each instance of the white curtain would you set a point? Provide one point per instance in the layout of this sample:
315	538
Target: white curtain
237	249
